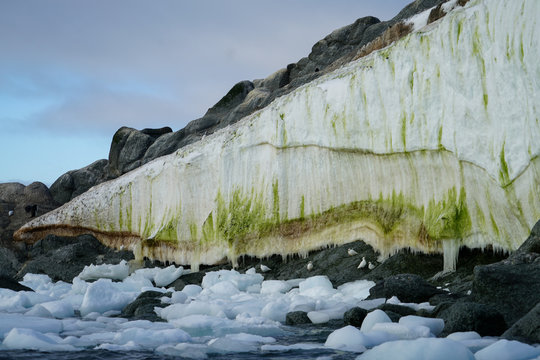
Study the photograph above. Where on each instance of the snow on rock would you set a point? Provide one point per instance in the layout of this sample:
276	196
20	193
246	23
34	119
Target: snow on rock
428	144
347	338
419	349
508	350
105	271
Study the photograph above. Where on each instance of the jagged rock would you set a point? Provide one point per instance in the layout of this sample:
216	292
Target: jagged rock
156	133
142	308
128	146
406	262
511	286
397	309
355	316
526	329
9	265
23	203
7	282
75	182
297	318
531	244
469	316
407	287
63	258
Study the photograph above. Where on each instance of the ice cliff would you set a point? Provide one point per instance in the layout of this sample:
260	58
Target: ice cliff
429	144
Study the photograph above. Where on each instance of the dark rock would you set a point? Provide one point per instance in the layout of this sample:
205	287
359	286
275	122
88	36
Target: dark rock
8	283
194	278
9	265
407	287
397	309
156	133
511	286
164	145
436	13
128	147
75	182
406	262
142	308
68	259
526	329
296	318
469	316
23	203
355	316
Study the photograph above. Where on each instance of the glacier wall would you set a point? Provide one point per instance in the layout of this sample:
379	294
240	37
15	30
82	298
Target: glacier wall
428	144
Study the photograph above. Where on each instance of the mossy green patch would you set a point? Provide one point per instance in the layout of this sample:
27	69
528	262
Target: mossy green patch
302	208
504	175
448	218
275	201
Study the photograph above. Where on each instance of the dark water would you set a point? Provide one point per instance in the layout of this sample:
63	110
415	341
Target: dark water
300	334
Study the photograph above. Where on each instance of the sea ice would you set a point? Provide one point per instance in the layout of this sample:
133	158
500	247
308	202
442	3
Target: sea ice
508	350
192	290
419	349
11	321
372	318
318	317
347	338
29	339
102	296
166	276
105	271
274	286
358	289
317	286
435	325
402	332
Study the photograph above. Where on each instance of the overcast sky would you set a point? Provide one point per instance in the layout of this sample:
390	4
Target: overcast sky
72	71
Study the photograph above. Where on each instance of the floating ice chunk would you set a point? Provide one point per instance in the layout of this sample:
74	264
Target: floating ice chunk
251	271
145	324
151	338
318	317
192	290
59	308
276	310
105	271
374	338
508	350
242	281
202	325
178	311
129	346
39	311
402	332
138	283
435	325
227	345
11	321
178	297
476	345
419	349
464	335
347	338
293	283
251	338
299	346
185	350
29	339
224	289
374	317
37	282
166	276
12	301
422	306
357	289
371	304
317	286
102	296
274	286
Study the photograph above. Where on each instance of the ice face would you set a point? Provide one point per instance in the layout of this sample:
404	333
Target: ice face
428	144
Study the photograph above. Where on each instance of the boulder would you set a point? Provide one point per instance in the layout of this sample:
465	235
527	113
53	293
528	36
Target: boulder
75	182
405	261
9	265
194	278
297	318
407	287
63	258
128	146
142	308
165	145
355	316
470	316
511	286
526	329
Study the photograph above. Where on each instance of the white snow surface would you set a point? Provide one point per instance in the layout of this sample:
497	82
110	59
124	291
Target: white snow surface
445	120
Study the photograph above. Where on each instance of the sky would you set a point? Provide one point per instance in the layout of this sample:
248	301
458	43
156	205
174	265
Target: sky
74	71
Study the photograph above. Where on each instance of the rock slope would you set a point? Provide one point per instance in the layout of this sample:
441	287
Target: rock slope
427	144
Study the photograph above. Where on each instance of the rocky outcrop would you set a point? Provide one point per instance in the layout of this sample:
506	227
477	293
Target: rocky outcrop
407	287
526	329
142	308
63	258
75	182
18	205
470	316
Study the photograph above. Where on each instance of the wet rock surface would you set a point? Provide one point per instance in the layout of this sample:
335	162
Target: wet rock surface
63	258
142	308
